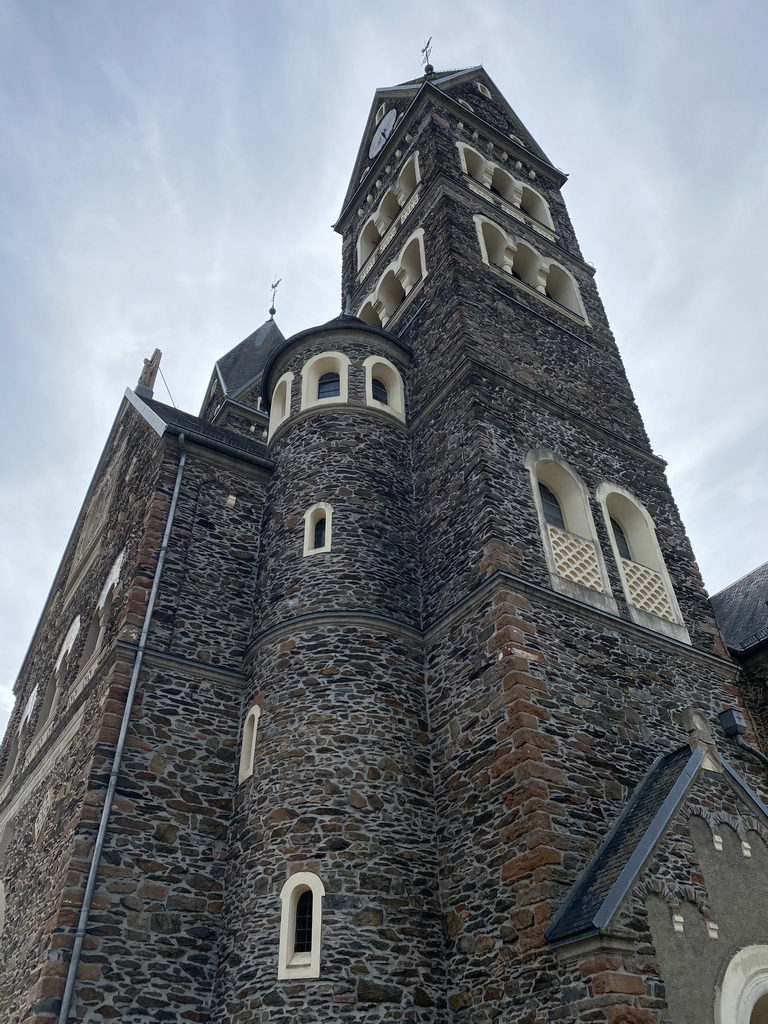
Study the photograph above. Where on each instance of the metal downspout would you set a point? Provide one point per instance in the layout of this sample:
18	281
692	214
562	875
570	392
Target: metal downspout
98	848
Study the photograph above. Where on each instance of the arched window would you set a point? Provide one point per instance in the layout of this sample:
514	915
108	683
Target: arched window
318	522
11	756
742	998
643	573
301	926
384	386
324	379
568	533
248	747
562	290
280	407
396	283
535	206
329	385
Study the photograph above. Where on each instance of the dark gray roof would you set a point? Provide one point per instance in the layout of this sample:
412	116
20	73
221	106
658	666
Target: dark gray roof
245	361
741	610
610	874
194	426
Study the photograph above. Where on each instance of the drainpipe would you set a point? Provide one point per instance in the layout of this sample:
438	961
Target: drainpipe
734	726
98	848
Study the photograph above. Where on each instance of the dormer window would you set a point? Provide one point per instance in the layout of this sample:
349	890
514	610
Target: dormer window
329	385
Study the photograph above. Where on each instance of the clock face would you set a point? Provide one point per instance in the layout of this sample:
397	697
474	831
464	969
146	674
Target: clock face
382	133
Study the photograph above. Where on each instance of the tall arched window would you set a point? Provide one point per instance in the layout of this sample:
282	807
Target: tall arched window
280	407
568	532
248	747
318	523
644	577
301	926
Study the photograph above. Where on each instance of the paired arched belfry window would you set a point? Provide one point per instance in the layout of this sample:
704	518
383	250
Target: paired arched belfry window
574	555
642	570
396	283
301	923
325	381
523	263
101	615
568	530
517	195
394	207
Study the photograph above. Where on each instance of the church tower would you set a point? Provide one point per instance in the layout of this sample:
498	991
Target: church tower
387	688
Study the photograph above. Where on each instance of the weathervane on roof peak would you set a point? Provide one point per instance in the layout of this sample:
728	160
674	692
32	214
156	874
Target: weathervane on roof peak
425	52
272	309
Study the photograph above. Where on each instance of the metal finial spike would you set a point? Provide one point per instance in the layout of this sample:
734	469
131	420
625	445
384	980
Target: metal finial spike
272	309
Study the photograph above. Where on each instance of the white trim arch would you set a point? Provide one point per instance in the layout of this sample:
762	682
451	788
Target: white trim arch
375	233
280	406
248	743
53	689
526	265
313	370
744	986
293	962
520	195
644	576
572	551
321	511
381	369
396	283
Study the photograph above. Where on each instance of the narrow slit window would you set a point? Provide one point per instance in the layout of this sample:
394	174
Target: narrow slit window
329	385
379	391
302	942
318	537
621	540
553	514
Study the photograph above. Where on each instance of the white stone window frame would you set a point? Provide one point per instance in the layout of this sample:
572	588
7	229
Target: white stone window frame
385	371
314	513
300	965
518	187
280	405
380	218
546	467
373	308
313	370
744	984
52	692
535	267
248	743
483	90
640	533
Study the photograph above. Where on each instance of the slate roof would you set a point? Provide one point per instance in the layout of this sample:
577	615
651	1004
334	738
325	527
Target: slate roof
242	364
741	610
608	877
193	425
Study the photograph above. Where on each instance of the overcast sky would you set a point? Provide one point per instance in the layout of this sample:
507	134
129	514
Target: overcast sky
161	161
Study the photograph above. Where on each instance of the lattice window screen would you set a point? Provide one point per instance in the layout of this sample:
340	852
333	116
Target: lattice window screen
647	590
576	559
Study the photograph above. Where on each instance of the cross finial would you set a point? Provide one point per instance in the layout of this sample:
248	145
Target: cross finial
272	309
425	52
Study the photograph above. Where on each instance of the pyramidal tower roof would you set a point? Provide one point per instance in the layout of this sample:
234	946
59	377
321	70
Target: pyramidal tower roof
242	364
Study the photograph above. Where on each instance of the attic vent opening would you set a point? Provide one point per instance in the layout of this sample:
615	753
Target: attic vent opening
380	112
483	91
465	104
